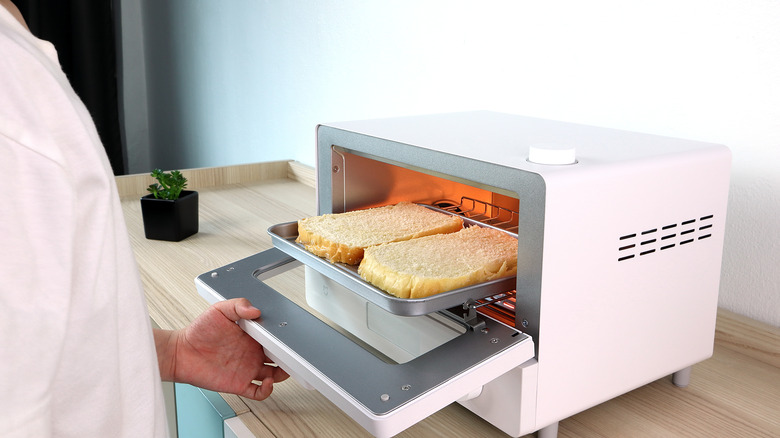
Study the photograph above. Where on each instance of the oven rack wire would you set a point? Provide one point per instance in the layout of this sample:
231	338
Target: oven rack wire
481	211
501	307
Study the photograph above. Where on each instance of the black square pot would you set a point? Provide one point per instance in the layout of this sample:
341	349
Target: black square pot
170	220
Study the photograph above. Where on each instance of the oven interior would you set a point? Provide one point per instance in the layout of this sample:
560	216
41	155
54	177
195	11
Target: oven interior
362	181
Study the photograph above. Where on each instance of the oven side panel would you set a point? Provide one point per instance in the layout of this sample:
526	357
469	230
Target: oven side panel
631	274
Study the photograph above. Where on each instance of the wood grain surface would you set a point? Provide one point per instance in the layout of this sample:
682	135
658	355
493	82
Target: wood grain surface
736	393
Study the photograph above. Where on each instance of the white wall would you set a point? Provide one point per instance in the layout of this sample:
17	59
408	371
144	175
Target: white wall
244	81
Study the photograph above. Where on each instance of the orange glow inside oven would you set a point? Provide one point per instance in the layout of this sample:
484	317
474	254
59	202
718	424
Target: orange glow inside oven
370	183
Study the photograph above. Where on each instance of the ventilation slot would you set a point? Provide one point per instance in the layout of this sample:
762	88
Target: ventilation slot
646	242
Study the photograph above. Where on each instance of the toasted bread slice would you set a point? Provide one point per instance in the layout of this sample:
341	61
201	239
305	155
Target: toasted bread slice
429	265
342	237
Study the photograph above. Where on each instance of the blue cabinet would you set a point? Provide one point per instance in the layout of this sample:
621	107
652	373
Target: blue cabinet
200	413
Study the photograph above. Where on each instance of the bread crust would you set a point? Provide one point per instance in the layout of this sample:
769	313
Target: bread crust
333	251
430	265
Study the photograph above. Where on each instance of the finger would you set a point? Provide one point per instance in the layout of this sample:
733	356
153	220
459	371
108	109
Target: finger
279	375
246	310
237	308
261	391
273	371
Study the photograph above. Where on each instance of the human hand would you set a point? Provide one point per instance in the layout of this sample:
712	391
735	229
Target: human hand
214	353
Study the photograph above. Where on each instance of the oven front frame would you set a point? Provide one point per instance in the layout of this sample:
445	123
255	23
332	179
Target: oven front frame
528	187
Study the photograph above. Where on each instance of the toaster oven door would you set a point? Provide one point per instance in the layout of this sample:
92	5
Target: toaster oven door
382	396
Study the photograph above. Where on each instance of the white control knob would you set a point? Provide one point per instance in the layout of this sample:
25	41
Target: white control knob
552	154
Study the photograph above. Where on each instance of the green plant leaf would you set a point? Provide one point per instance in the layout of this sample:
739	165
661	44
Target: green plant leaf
169	185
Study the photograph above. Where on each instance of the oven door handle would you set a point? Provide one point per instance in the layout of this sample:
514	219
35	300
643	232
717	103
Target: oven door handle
385	398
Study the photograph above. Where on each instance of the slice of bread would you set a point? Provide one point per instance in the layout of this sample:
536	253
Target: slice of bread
429	265
342	237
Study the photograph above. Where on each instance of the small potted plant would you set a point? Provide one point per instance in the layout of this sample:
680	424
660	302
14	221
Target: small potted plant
169	212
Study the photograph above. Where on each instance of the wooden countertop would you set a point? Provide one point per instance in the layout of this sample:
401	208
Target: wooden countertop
735	393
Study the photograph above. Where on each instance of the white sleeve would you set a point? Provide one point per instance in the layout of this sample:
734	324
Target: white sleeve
35	283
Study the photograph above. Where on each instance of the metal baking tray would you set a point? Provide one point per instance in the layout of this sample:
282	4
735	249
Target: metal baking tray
283	237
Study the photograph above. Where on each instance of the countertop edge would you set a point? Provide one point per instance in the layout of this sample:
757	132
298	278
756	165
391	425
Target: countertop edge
136	184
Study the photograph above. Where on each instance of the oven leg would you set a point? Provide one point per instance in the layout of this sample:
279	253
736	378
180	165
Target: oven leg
682	378
550	431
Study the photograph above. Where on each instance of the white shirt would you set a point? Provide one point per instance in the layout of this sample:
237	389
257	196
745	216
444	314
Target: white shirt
77	356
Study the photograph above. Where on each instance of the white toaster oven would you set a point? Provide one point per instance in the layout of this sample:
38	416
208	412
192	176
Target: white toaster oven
620	238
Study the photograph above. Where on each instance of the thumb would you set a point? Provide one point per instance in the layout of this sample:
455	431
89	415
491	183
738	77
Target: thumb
237	308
